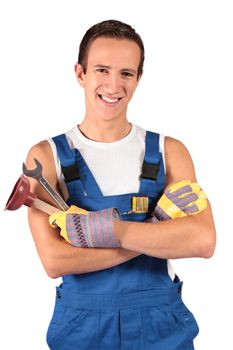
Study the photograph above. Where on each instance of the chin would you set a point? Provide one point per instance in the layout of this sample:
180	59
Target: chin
111	117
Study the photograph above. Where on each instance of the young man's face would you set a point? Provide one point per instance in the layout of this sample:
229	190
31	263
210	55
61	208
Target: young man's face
111	77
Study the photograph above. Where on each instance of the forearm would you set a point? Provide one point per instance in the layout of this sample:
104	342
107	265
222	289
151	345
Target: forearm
73	260
178	238
60	258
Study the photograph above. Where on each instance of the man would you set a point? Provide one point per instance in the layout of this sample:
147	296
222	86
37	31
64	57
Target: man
118	291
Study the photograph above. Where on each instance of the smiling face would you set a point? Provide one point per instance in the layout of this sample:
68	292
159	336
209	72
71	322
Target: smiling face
110	79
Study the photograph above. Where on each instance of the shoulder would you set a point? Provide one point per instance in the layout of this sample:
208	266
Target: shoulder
42	151
179	163
174	147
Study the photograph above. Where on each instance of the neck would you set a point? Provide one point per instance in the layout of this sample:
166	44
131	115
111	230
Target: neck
105	131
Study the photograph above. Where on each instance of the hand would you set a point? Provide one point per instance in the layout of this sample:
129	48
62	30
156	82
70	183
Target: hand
82	228
181	199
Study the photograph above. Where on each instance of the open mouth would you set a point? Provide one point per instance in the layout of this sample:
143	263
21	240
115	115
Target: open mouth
109	100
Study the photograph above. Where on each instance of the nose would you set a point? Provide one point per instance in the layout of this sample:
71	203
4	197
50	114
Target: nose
113	84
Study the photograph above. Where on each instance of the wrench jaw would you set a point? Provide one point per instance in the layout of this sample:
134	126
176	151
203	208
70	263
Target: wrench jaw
36	173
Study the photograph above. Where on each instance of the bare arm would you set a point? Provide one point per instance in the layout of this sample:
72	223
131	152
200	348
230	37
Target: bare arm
57	256
191	236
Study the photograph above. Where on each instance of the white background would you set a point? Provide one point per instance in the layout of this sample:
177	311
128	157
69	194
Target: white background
186	92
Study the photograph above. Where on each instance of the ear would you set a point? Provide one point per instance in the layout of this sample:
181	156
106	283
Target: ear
139	78
79	74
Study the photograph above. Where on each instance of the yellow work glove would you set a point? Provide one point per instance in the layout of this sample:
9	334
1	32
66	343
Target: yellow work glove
83	228
181	199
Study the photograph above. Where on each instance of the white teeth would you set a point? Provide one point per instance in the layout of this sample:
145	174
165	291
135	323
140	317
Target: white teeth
110	100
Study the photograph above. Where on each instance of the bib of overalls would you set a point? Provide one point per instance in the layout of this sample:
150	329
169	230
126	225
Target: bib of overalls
135	305
140	273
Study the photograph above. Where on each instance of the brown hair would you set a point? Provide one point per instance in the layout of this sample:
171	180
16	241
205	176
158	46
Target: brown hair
109	29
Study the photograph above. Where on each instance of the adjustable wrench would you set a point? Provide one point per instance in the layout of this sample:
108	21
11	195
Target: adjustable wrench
37	174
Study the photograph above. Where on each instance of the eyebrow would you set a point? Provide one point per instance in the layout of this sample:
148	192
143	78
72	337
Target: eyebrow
122	70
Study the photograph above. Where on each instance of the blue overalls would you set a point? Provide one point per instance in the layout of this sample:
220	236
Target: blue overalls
132	306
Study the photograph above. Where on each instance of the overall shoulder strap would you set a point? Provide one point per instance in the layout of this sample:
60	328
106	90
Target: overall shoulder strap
77	176
153	175
68	160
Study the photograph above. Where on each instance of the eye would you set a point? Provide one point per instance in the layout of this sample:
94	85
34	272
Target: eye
101	70
127	74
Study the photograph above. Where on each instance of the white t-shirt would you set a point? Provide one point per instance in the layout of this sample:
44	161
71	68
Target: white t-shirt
128	154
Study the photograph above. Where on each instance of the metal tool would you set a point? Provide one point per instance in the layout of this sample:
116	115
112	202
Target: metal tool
37	174
21	195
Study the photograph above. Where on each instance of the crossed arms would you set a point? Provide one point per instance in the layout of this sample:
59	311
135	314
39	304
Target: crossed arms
192	236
